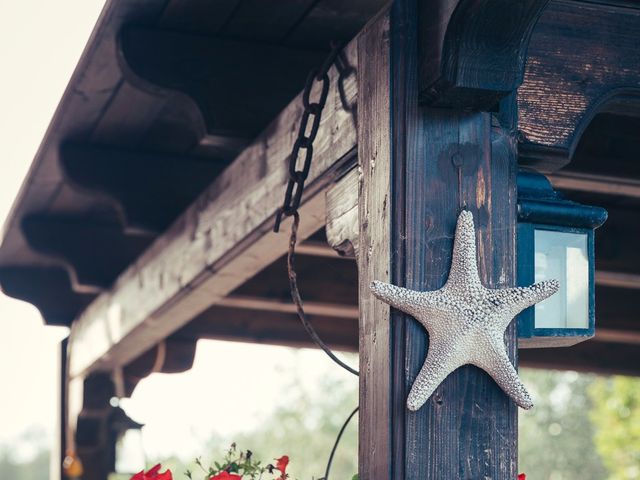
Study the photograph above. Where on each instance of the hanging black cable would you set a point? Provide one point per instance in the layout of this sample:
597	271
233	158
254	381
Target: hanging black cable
335	445
297	300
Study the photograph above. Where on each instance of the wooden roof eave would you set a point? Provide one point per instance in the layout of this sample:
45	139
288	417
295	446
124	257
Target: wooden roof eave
219	242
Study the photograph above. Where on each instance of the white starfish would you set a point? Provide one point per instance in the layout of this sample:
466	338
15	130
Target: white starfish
465	320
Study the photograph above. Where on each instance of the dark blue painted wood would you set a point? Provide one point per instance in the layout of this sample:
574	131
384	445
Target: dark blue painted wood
468	429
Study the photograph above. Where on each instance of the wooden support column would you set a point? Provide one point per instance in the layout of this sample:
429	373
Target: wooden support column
411	192
374	212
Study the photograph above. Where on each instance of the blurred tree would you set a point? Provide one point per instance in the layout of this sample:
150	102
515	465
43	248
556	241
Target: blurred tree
556	437
616	416
35	468
304	426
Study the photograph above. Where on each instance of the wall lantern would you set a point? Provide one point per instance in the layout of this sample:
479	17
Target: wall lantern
126	435
556	240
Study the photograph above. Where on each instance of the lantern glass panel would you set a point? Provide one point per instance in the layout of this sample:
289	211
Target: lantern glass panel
563	256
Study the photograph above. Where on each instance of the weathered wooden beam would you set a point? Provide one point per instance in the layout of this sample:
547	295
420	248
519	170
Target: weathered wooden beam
376	417
220	241
602	184
273	305
318	249
269	327
618	279
596	357
629	337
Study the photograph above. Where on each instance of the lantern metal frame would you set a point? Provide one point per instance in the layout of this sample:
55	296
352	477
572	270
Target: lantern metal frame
540	207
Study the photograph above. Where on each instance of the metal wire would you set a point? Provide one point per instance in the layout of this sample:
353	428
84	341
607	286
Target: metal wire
335	445
297	299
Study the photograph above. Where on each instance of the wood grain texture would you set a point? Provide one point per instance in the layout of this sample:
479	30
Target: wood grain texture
472	52
374	157
343	227
220	241
270	328
468	428
581	57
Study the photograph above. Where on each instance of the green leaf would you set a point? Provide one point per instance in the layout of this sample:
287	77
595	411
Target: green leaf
355	477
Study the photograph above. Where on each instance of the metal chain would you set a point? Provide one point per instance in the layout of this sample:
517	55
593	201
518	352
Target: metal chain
293	195
303	146
296	184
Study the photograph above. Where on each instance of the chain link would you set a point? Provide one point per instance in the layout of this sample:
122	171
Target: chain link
307	132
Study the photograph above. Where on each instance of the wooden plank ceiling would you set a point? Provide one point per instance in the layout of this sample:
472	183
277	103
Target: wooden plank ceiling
167	94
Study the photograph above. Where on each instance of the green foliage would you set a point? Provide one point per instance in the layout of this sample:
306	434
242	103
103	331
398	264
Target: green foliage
240	462
556	437
616	417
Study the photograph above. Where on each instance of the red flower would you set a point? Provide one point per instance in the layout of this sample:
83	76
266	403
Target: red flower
153	474
226	476
522	476
281	463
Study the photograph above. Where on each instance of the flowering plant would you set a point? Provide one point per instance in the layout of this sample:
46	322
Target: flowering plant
236	465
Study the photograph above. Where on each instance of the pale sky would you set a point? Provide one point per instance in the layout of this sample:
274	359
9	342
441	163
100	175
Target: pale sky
40	43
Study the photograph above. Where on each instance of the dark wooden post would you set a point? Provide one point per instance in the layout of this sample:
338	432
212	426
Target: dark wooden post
420	166
94	445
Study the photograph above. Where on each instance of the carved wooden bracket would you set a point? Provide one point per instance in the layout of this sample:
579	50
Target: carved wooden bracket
239	86
93	254
49	289
472	52
148	190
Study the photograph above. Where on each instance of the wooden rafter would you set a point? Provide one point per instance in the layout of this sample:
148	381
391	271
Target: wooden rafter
603	184
272	305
